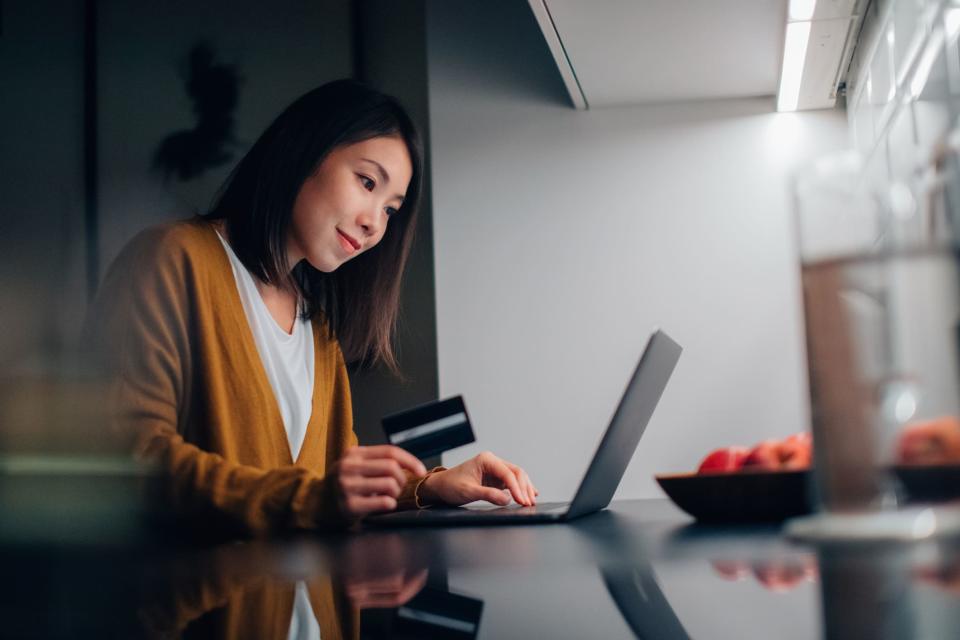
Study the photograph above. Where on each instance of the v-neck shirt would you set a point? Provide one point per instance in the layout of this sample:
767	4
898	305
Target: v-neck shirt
287	357
186	390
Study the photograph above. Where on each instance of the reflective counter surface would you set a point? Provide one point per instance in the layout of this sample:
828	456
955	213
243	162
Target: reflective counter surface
639	569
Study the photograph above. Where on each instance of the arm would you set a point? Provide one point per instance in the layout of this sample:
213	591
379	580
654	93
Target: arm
144	324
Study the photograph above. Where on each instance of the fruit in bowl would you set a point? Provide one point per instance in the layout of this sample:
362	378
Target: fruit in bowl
933	442
724	489
794	452
723	460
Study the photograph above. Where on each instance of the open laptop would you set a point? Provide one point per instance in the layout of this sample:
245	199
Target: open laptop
606	469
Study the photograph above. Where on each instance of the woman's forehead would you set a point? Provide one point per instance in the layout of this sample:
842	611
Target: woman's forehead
389	152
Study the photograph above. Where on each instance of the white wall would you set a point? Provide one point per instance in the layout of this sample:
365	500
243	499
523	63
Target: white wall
563	237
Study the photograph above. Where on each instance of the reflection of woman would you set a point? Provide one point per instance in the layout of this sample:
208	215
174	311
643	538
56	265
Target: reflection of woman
260	609
226	335
260	590
232	592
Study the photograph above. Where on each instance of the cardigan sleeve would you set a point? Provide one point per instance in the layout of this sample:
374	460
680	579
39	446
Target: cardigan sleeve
142	327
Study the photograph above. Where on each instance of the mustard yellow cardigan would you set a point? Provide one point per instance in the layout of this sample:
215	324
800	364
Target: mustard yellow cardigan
188	389
250	599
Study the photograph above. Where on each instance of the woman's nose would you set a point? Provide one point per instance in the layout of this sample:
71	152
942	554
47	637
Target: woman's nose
370	222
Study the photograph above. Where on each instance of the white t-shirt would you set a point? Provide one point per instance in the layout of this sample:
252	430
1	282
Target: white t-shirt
287	357
303	624
288	361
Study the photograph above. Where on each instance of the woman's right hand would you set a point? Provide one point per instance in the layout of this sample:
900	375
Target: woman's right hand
369	479
384	592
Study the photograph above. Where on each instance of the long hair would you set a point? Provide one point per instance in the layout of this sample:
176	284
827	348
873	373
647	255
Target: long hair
359	301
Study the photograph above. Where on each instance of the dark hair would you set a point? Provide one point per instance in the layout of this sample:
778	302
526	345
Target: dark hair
360	300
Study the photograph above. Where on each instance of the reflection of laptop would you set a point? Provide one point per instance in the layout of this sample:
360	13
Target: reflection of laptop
606	469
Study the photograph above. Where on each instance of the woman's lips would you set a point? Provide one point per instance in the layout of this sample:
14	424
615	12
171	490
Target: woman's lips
349	244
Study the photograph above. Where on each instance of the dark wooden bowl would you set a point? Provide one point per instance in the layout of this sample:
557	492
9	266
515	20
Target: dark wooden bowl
743	496
930	483
773	496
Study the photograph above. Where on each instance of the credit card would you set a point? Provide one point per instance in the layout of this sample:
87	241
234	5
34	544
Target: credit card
431	428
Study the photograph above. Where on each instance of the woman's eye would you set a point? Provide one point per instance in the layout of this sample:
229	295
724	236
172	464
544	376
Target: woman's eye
368	183
391	211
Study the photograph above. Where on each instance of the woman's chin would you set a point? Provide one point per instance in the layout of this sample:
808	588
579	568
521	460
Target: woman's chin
325	264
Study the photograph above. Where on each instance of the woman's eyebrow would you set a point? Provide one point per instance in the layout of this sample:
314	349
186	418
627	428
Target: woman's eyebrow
383	174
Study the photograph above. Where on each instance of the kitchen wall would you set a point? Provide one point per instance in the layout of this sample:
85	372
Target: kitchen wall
562	237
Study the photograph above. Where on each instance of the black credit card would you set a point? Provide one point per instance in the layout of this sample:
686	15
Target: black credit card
431	428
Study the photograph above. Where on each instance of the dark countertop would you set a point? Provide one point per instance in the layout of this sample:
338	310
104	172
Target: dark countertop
638	569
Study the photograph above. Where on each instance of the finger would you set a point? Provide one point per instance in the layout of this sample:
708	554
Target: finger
503	473
357	505
375	468
356	592
353	453
379	586
525	483
372	486
532	489
406	459
528	487
496	496
364	590
386	601
523	480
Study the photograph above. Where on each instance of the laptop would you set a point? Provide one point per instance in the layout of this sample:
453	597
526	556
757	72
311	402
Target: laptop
606	469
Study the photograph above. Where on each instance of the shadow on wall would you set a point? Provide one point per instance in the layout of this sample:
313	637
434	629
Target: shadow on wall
214	91
514	62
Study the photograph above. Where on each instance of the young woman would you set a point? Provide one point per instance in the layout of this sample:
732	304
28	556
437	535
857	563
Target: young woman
226	335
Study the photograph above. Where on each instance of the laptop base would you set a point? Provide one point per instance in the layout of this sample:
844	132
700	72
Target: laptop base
468	516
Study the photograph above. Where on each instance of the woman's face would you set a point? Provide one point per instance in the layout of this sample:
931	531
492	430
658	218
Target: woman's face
344	207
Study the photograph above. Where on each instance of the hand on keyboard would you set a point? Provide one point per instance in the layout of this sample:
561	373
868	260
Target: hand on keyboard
483	477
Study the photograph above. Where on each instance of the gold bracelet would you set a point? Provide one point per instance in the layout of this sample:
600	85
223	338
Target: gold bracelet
416	489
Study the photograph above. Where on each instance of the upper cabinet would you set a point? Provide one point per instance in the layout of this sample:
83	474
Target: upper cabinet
617	52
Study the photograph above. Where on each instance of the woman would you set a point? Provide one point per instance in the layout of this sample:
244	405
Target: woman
225	335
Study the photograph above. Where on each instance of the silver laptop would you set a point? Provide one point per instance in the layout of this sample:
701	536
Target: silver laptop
606	469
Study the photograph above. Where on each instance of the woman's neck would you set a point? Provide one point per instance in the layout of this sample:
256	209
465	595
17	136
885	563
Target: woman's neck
283	303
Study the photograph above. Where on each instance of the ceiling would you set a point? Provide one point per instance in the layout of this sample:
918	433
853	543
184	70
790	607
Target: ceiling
648	51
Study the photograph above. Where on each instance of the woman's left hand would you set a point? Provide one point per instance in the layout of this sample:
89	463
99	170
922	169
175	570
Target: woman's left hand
483	477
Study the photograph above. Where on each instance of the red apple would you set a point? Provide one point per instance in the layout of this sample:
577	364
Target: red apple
796	451
765	455
723	460
931	442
